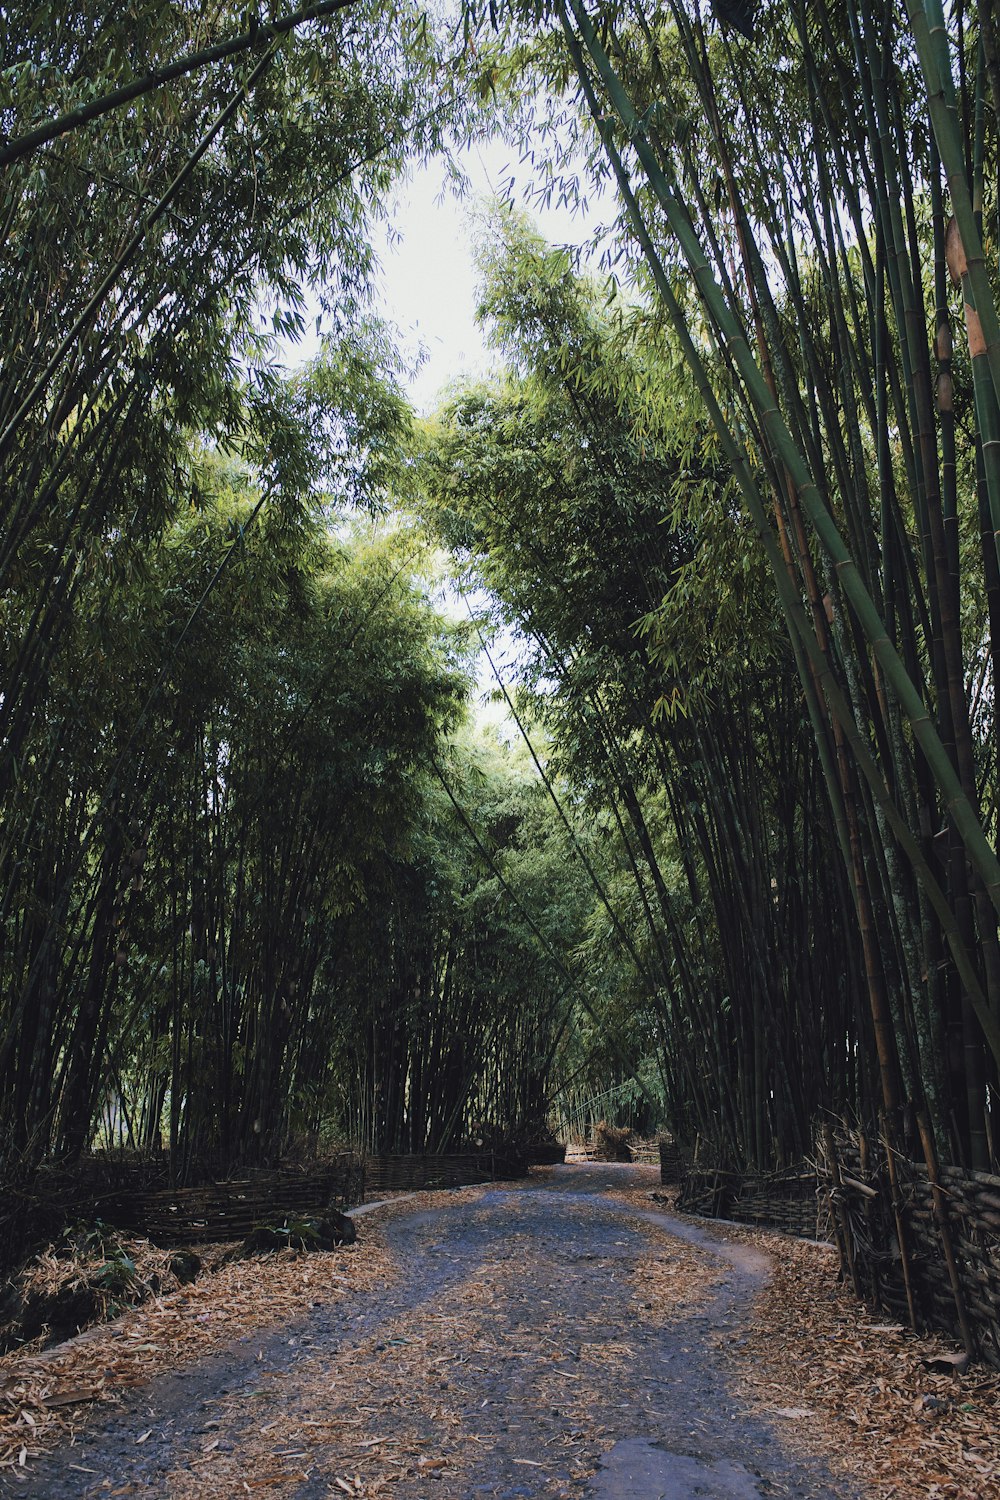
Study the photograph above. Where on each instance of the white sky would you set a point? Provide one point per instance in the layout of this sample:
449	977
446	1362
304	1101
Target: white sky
427	284
428	281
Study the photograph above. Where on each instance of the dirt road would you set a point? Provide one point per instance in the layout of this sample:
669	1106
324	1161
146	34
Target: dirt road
540	1340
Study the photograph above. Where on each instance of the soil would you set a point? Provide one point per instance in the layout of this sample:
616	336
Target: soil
540	1340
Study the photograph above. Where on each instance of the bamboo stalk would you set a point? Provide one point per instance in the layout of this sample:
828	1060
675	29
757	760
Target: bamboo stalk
965	819
901	1235
790	602
944	1232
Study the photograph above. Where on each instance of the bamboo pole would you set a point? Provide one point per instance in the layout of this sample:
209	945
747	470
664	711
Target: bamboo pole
965	819
930	35
901	1236
845	1235
944	1233
801	632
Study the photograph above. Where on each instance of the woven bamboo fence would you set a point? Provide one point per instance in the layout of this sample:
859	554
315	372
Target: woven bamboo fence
792	1201
928	1252
230	1210
644	1152
37	1211
673	1160
133	1194
388	1174
636	1149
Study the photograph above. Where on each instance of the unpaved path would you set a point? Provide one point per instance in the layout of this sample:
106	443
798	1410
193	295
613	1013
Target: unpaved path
531	1345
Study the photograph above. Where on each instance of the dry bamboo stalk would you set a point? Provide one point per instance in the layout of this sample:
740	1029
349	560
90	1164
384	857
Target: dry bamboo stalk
944	1233
901	1236
841	1221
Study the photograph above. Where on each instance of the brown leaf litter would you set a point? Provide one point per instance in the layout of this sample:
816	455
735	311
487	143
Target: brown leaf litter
44	1397
399	1407
832	1377
865	1387
885	1408
114	1270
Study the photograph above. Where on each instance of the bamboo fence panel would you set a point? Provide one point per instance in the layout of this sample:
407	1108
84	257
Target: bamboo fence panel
971	1206
230	1210
390	1174
792	1201
848	1197
131	1193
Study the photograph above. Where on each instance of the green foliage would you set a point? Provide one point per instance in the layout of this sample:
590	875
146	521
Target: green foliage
263	882
658	678
220	681
795	243
468	941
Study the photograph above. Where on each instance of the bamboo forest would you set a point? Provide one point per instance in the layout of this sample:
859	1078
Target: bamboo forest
603	751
